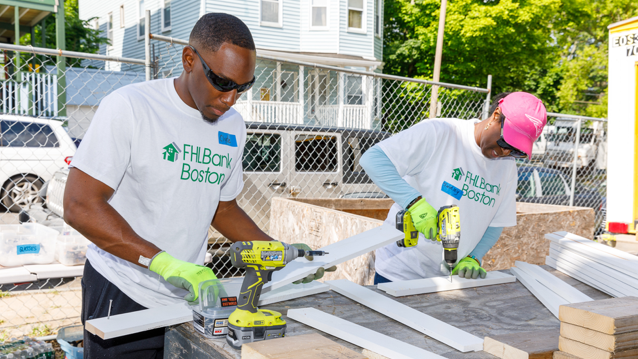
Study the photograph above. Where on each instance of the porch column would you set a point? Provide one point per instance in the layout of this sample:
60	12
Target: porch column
61	44
368	90
278	82
342	87
301	83
249	105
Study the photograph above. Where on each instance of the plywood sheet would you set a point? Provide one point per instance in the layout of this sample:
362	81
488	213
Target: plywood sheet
434	328
309	346
358	335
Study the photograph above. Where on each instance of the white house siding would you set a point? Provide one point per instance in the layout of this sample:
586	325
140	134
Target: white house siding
315	40
184	13
352	43
284	38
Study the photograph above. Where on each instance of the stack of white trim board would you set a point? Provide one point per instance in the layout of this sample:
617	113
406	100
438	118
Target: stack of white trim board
607	269
546	287
603	329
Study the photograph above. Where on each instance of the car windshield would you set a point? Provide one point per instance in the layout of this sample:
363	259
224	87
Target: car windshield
552	184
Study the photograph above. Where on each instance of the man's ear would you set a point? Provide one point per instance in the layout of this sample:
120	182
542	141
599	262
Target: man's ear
188	59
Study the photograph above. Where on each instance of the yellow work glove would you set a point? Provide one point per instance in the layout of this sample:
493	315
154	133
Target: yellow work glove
469	268
318	274
181	274
424	218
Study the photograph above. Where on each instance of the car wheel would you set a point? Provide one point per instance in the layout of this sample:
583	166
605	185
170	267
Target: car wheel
19	193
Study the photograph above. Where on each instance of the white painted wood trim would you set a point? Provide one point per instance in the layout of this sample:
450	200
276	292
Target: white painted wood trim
45	271
143	320
358	335
293	291
599	272
566	268
603	257
441	284
140	321
338	253
549	299
434	328
600	247
556	285
16	275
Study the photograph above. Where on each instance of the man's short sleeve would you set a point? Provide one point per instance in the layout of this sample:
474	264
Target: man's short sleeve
411	149
506	212
105	151
235	183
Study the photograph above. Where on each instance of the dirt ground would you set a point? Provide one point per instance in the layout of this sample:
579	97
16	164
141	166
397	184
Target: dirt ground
38	313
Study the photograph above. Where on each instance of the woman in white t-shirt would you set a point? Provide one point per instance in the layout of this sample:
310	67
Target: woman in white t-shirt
441	162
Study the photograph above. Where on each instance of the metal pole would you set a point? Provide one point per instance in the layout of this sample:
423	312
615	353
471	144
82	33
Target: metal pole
486	108
147	44
571	195
437	60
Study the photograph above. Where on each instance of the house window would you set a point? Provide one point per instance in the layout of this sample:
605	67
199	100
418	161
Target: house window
166	15
140	22
122	22
319	13
378	23
109	29
354	90
355	14
271	12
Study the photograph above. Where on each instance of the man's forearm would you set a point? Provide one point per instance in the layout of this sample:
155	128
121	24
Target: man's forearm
233	223
99	222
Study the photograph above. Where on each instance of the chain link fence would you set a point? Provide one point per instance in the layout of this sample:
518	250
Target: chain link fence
307	125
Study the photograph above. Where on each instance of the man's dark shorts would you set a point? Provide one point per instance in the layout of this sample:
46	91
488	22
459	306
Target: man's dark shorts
97	292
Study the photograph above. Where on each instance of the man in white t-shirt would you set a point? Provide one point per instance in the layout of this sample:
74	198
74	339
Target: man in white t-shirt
160	163
441	162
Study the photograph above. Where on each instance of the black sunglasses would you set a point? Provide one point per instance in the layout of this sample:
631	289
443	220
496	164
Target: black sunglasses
514	152
220	83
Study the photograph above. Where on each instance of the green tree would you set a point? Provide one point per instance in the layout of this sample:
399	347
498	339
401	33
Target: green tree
508	39
584	42
80	35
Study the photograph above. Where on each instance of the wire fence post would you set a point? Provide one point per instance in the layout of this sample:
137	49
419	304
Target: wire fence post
575	168
147	44
486	109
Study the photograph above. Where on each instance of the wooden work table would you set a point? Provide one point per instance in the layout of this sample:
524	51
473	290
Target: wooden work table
491	310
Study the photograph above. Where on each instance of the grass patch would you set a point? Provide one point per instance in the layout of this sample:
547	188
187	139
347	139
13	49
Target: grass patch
4	336
4	294
41	331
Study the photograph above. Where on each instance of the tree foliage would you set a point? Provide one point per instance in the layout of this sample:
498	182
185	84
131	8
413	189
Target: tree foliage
556	49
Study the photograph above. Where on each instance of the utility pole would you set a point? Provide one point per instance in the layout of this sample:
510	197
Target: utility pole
437	60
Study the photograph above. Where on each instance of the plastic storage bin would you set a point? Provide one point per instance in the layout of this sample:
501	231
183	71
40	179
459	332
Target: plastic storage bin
71	246
68	335
28	243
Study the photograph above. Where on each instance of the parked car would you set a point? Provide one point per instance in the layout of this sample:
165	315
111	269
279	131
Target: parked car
549	186
31	150
561	142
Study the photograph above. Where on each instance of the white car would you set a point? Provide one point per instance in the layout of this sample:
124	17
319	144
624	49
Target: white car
31	151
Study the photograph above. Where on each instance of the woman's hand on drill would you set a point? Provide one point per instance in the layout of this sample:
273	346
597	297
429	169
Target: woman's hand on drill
424	218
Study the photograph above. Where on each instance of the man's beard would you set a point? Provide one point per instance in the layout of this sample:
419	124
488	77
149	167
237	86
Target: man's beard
208	119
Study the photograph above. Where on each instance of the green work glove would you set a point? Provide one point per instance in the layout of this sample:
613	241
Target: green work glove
318	274
469	268
424	218
181	274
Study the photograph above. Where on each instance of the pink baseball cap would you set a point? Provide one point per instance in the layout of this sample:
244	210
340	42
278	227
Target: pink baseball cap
525	118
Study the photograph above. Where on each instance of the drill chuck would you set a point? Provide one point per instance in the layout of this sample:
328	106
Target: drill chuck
303	253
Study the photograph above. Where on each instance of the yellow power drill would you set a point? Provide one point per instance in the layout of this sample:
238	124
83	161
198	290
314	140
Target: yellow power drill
260	258
449	225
